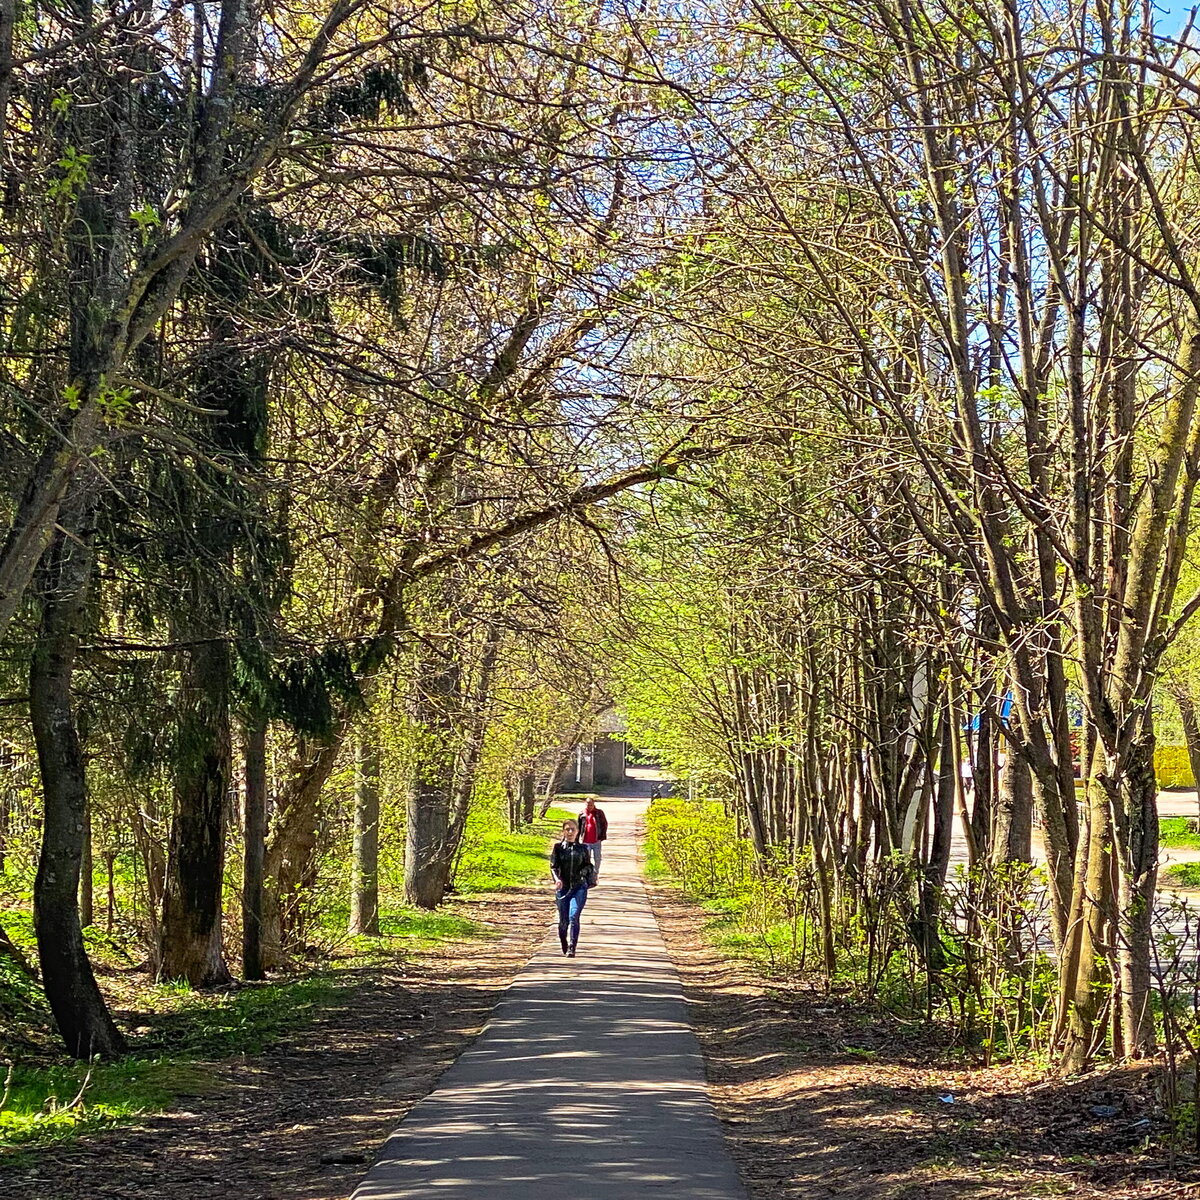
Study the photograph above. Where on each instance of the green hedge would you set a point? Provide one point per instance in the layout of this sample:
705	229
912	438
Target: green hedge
699	845
1172	767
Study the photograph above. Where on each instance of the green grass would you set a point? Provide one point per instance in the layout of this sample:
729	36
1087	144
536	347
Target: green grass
414	928
419	925
18	924
655	865
49	1104
1173	831
1182	875
725	909
189	1024
494	859
53	1104
773	946
25	1022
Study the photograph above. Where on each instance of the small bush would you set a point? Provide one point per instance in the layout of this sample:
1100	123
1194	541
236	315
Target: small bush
971	954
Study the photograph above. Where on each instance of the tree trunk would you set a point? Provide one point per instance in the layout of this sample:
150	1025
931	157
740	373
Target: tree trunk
191	925
426	847
255	847
512	804
983	780
292	845
80	1013
427	850
364	866
5	816
1137	878
525	797
154	861
1082	973
927	933
1191	729
556	769
8	22
1012	835
943	810
110	875
87	868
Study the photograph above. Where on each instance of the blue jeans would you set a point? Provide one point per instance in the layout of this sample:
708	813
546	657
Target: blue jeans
595	848
570	905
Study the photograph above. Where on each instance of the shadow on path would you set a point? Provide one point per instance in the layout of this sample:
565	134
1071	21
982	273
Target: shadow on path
587	1080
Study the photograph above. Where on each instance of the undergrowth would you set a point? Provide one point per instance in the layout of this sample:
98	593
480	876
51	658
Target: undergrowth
989	981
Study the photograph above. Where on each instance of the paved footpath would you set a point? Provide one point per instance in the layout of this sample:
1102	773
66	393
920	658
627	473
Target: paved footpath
587	1081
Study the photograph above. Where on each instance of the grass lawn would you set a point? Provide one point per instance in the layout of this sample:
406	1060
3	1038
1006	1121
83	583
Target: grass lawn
183	1030
1173	831
493	858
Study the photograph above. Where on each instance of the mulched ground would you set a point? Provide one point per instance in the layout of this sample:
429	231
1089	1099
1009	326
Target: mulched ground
338	1087
819	1099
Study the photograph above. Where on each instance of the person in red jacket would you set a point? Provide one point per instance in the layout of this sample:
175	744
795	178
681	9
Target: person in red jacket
593	829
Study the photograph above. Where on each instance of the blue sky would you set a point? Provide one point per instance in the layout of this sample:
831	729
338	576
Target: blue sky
1173	15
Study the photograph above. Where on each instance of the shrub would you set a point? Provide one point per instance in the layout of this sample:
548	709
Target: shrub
972	954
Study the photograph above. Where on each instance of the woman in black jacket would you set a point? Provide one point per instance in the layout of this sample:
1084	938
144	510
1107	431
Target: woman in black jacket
571	869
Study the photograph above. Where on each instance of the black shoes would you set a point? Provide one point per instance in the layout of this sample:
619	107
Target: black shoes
562	937
571	952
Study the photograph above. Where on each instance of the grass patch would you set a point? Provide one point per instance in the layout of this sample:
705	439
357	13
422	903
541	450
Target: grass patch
25	1022
54	1104
1173	831
494	859
654	864
188	1024
416	924
725	909
416	928
50	1104
775	946
1182	875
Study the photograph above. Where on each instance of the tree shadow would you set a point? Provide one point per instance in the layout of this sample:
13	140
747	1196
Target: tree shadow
333	1085
820	1097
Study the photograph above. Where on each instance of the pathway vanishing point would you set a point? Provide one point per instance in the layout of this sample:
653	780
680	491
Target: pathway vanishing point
587	1081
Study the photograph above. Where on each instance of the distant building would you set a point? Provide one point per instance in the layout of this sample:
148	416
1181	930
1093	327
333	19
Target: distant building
599	761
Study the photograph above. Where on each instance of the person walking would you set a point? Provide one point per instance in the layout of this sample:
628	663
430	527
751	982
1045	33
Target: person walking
593	829
571	869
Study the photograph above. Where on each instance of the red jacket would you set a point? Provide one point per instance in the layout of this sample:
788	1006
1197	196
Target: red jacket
601	824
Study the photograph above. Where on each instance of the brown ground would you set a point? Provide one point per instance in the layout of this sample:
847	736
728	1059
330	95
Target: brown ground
342	1083
819	1099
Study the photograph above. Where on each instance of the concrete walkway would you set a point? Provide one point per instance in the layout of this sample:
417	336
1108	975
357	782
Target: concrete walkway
587	1081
